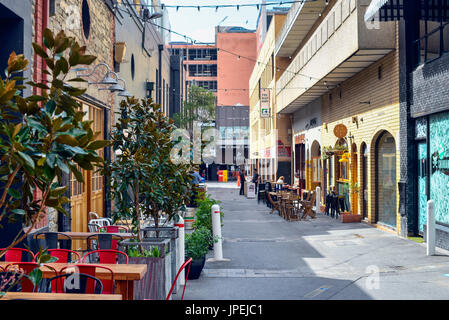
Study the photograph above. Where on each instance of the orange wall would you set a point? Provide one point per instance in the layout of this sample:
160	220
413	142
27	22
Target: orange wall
234	73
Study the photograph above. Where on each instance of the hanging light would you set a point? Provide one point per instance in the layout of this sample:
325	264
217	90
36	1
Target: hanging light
108	80
124	92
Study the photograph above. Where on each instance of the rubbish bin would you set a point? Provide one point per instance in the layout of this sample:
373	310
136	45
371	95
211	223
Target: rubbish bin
225	175
220	175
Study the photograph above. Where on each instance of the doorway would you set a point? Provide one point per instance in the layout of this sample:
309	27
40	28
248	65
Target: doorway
386	210
364	185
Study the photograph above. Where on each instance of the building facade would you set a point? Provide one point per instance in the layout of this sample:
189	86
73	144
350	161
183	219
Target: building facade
140	56
349	70
424	125
237	53
270	147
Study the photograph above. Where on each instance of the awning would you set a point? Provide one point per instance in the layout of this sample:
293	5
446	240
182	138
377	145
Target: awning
373	8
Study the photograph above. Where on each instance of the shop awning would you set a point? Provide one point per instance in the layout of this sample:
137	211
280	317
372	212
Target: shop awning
373	8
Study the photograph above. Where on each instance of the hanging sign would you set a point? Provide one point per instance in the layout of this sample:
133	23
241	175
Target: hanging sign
265	103
340	131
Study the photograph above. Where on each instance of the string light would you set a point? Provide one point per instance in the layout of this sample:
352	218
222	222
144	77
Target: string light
257	5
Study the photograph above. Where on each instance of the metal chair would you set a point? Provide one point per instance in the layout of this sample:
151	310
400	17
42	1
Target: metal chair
64	255
189	263
16	255
261	193
91	269
106	256
54	240
75	283
25	283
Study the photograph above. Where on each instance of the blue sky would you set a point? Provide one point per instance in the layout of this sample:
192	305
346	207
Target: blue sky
200	25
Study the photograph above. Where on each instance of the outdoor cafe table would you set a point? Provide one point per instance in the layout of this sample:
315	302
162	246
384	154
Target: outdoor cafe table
85	235
124	275
58	296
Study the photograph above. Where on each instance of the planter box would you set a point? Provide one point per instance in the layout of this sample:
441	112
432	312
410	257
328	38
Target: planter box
156	283
348	218
171	233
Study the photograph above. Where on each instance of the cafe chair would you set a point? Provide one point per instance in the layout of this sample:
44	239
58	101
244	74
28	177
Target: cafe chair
261	193
106	256
25	283
53	240
113	229
13	284
275	204
75	283
17	255
186	263
102	241
64	255
102	222
93	215
93	227
91	269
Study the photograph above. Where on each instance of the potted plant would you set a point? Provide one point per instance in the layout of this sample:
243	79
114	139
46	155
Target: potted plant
147	183
196	247
203	216
43	137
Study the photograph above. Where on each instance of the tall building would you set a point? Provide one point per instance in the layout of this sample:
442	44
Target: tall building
237	53
200	61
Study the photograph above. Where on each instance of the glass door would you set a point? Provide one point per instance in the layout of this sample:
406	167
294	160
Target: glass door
422	192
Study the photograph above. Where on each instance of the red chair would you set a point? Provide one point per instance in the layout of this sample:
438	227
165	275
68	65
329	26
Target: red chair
63	283
15	254
27	267
106	256
188	262
91	270
63	255
113	229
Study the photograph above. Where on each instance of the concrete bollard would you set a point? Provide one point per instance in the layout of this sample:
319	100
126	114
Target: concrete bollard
430	231
317	199
181	249
216	230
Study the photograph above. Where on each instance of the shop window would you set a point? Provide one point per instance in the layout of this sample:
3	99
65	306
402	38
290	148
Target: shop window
133	67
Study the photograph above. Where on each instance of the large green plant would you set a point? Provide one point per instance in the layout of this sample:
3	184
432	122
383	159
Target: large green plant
203	215
197	243
145	182
43	136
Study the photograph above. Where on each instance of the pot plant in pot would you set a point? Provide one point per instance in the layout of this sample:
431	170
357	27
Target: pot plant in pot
196	247
146	184
203	215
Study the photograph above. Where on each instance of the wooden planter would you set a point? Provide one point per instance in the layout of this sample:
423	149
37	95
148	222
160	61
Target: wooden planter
156	283
348	218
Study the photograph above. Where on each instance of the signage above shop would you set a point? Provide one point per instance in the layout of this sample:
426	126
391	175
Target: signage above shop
440	162
340	131
300	138
265	103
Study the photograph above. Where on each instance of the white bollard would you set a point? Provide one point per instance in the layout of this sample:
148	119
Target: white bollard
430	231
317	199
181	248
216	230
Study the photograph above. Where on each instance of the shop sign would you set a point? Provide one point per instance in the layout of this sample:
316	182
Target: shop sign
440	161
340	131
283	150
265	103
267	152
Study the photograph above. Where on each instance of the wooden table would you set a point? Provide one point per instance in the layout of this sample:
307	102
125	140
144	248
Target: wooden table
124	275
58	296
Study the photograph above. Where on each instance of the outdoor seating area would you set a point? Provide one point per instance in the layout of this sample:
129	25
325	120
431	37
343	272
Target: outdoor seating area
102	271
287	202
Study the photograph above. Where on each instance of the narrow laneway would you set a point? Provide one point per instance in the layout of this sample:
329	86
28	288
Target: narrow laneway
314	259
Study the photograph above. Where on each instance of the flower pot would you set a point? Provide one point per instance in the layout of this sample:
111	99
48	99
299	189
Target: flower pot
196	267
157	281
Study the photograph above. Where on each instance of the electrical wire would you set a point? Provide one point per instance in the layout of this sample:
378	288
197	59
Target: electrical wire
217	6
220	49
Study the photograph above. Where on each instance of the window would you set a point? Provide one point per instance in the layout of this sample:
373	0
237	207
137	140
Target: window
133	67
85	15
379	72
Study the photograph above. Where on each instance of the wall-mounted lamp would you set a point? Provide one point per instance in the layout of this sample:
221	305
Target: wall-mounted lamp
107	78
120	51
149	88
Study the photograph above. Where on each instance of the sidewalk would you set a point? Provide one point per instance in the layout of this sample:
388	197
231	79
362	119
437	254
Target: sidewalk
315	259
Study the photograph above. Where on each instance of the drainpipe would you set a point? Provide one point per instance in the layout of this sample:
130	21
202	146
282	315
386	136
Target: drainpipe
158	92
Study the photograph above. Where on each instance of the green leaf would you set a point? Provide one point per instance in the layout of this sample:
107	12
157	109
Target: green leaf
14	193
99	144
67	139
39	50
35	276
59	191
49	41
19	211
28	160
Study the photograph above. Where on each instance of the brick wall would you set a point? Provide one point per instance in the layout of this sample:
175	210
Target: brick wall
380	115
